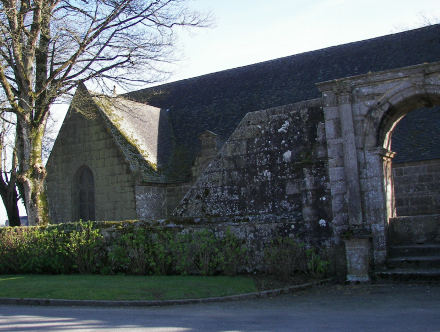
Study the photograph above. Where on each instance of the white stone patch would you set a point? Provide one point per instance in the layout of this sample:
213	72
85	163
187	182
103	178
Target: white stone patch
287	156
284	127
286	205
322	223
267	174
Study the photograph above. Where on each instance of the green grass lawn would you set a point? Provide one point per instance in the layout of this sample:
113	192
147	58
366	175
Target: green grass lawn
121	287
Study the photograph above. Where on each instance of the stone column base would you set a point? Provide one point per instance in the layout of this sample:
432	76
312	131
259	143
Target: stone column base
357	252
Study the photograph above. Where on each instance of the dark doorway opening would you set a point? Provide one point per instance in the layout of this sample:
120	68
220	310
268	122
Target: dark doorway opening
84	194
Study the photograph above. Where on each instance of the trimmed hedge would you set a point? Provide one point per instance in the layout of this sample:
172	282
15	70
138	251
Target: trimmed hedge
132	248
50	249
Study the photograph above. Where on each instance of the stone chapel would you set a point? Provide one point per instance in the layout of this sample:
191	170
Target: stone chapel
326	144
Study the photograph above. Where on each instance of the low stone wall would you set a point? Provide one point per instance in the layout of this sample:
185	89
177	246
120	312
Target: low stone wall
417	187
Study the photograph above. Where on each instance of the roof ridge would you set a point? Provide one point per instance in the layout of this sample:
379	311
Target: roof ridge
306	53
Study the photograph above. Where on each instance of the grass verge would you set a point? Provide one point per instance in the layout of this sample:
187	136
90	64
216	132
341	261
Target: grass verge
122	287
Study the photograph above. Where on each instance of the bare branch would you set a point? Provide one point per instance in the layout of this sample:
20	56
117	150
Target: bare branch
47	47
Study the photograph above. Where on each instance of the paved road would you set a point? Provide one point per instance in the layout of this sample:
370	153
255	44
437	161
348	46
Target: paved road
326	308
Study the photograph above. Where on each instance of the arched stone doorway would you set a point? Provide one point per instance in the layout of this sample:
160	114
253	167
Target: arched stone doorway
416	165
414	106
414	192
83	195
360	115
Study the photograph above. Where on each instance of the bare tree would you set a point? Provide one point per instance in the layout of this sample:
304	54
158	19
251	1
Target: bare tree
8	168
47	47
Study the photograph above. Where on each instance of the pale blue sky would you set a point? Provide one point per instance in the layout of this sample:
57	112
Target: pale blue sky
250	31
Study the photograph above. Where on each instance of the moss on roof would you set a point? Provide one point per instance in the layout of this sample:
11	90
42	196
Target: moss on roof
120	117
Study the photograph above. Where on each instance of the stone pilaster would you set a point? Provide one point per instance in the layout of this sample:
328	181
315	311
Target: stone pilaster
350	158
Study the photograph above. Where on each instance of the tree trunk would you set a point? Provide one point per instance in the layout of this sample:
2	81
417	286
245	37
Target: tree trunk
12	210
32	172
10	199
35	197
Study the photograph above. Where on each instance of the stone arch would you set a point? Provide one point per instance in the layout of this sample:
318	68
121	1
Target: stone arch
380	121
83	195
390	108
386	113
360	114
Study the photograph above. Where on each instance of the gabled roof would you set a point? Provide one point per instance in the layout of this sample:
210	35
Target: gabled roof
218	101
140	124
136	129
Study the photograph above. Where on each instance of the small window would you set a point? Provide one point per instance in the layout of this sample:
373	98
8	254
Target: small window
84	194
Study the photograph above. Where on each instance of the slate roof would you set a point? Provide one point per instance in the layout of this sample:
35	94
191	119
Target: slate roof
136	129
417	136
218	101
142	125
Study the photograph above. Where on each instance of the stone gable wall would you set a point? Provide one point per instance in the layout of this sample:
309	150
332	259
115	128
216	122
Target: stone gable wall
85	141
273	167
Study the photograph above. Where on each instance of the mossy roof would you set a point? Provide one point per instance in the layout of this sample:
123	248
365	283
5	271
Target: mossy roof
218	101
141	125
136	128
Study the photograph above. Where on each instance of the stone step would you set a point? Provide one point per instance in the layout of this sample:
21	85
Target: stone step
414	250
414	262
414	229
408	275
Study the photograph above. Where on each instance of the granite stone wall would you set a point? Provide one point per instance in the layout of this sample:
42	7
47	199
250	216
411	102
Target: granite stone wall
272	168
84	141
157	201
417	187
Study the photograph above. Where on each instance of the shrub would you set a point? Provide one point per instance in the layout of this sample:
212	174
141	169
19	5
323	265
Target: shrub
164	252
234	254
117	260
284	257
197	253
138	250
33	250
163	258
46	252
83	246
9	245
316	265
